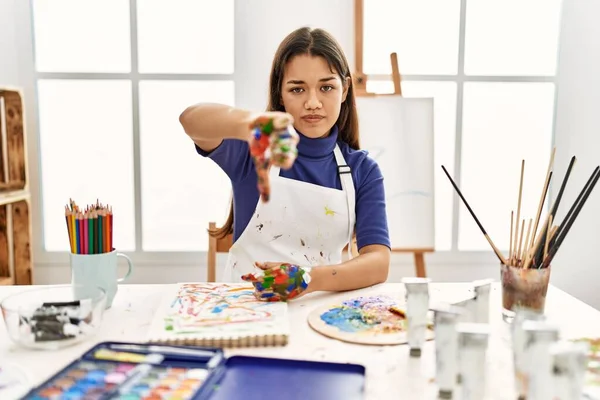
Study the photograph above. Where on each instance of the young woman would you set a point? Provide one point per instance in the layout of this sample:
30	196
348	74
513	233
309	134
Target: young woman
301	186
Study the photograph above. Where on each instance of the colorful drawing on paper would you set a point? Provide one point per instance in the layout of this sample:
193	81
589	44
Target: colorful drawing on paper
201	307
366	320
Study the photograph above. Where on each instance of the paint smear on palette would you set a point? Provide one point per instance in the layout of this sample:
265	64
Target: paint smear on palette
365	315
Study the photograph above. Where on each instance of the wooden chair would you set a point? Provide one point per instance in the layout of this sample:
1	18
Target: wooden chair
215	246
223	245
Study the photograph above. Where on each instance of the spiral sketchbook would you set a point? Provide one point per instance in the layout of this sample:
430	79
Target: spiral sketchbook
219	315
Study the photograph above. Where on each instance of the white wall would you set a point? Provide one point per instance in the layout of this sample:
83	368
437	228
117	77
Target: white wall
577	267
9	71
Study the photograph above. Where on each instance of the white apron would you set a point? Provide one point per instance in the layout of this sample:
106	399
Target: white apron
301	224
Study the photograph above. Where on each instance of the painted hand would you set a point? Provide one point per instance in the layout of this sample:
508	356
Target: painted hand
273	142
278	281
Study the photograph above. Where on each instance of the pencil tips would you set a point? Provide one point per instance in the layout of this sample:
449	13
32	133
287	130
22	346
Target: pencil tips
91	230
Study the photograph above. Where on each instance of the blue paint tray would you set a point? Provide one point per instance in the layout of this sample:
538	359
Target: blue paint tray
137	370
251	378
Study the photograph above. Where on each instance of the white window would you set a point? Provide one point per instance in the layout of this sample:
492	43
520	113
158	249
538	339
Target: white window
112	78
490	67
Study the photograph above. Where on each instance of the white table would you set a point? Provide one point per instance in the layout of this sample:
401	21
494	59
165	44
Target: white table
391	373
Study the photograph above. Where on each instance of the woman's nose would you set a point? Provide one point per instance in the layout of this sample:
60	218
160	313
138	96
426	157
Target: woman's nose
313	101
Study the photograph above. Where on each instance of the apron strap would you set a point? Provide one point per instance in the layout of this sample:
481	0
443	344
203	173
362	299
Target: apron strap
345	174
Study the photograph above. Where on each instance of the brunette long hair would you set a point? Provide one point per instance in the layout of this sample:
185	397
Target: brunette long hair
318	43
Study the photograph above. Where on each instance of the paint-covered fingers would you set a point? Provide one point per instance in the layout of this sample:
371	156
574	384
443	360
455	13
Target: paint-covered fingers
284	147
273	142
251	278
262	172
279	281
272	121
260	152
270	265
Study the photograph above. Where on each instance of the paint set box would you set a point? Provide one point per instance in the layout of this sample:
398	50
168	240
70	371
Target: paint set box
122	370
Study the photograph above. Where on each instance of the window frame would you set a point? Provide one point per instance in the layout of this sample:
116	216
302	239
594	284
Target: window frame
28	77
460	78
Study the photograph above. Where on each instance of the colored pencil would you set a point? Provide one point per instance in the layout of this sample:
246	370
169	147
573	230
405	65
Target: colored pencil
100	232
91	233
110	230
106	233
72	216
77	236
90	230
86	248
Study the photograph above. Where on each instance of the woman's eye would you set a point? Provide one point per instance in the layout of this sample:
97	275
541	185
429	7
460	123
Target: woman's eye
296	90
327	88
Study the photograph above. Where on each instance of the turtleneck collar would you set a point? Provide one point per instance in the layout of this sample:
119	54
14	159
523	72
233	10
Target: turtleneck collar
320	147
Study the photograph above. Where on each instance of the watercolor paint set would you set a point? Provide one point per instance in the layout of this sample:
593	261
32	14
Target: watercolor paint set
143	371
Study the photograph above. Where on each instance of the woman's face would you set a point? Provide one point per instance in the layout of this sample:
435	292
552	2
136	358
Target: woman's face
312	94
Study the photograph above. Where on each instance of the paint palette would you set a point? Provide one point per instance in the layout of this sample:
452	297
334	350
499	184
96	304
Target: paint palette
94	380
130	371
136	371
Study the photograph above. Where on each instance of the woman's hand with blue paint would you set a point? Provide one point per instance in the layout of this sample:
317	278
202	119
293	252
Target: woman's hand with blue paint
273	142
278	281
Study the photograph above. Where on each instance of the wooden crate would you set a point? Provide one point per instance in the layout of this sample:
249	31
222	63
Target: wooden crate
15	218
13	160
15	245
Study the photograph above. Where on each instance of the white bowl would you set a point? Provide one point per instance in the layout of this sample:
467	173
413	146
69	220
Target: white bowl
53	317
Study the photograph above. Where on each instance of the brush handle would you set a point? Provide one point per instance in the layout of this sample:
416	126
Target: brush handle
539	253
572	216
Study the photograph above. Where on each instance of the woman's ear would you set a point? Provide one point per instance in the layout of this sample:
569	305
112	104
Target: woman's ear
347	83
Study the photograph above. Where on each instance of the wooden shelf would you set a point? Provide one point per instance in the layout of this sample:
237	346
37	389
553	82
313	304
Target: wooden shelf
16	266
13	196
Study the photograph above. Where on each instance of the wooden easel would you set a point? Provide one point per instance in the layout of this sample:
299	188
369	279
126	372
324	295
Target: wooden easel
360	86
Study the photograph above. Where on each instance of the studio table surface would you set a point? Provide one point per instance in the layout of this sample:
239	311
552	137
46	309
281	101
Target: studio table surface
390	372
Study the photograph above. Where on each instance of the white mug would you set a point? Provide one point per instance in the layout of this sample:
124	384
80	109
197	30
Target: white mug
97	270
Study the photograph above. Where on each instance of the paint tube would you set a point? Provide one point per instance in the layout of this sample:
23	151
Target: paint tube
446	318
472	347
522	314
569	363
417	306
482	300
539	337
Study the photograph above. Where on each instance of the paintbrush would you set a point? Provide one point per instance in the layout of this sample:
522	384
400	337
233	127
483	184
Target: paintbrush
538	250
549	173
571	216
496	251
516	261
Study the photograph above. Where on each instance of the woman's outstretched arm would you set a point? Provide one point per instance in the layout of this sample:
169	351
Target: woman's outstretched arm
207	124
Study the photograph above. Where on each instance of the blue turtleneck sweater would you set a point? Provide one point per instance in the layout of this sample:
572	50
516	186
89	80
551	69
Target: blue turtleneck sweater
315	164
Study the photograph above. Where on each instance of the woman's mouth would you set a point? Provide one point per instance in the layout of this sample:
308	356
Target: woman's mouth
312	118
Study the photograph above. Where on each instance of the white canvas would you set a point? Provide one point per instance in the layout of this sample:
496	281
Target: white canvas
398	132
